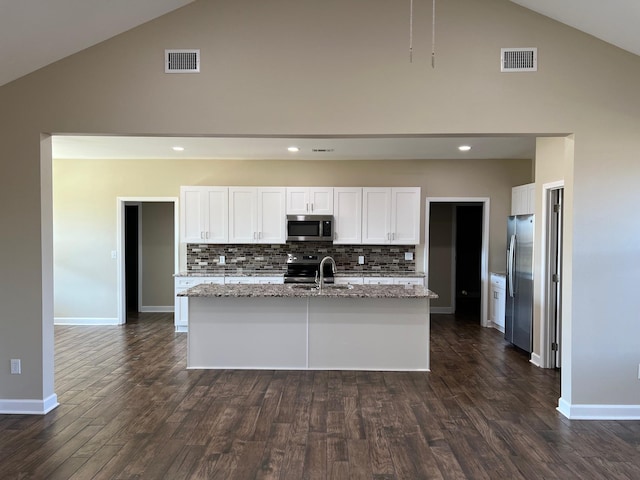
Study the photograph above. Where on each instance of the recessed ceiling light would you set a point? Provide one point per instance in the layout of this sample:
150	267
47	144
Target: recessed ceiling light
293	149
464	148
177	148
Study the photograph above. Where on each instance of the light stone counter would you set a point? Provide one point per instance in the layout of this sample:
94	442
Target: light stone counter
293	291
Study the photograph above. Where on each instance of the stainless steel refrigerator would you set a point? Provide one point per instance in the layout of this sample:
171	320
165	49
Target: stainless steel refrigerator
519	308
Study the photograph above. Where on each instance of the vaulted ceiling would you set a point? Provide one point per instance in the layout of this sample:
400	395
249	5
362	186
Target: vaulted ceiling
35	33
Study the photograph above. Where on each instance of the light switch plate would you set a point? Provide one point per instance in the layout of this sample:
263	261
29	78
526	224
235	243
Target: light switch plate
222	260
408	255
361	260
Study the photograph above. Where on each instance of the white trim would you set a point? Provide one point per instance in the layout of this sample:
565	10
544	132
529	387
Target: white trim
484	263
85	321
28	407
140	253
182	329
535	359
545	327
120	204
443	310
598	412
157	309
286	367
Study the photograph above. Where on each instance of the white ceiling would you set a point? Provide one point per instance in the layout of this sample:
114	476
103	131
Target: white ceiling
343	148
35	33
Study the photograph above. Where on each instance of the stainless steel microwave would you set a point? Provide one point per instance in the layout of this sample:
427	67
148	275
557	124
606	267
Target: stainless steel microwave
310	228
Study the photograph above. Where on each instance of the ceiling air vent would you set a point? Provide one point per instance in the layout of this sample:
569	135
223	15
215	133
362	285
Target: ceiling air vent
322	150
182	61
518	59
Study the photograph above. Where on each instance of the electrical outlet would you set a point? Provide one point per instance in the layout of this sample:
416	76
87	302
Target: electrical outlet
408	255
16	367
222	260
361	260
114	254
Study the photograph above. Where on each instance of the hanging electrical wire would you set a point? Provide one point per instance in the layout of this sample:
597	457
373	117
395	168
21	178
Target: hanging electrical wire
433	35
410	31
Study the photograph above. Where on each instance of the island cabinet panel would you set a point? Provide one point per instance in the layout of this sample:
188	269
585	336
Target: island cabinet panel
204	214
254	333
347	215
371	334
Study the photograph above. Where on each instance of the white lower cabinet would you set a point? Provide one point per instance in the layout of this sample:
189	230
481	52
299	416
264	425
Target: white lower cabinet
379	280
181	305
497	301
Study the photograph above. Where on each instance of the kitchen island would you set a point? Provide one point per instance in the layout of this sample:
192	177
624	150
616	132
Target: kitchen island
359	327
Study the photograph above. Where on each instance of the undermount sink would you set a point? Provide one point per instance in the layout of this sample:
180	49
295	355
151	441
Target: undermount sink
311	286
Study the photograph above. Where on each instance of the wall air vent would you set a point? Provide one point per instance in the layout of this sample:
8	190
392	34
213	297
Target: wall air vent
322	150
518	59
182	61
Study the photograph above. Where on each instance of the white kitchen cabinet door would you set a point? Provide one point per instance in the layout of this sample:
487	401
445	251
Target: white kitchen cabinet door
347	215
243	215
408	281
523	199
321	200
257	215
204	214
405	216
309	200
271	225
181	304
348	281
378	280
497	302
391	216
376	215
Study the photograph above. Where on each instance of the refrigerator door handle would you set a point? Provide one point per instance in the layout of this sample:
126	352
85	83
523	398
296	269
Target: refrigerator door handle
510	259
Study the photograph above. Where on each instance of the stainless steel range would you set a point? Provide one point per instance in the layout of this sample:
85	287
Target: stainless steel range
306	269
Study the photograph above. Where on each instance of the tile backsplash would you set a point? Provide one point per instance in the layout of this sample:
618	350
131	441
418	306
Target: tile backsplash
203	258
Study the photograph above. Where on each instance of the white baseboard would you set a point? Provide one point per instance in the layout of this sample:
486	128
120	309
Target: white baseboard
85	321
157	309
535	359
182	328
598	412
28	407
442	310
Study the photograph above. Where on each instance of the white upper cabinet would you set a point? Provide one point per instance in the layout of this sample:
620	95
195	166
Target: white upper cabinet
347	215
309	201
257	215
391	216
204	214
523	199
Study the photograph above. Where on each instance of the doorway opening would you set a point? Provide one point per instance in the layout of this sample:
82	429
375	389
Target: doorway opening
456	255
147	249
551	331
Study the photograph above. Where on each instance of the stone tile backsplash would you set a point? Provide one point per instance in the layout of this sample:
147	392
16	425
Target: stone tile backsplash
203	258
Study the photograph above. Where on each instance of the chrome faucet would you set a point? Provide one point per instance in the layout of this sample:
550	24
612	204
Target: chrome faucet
333	269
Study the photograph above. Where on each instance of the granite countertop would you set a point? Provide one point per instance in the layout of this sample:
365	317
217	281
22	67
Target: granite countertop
293	291
373	273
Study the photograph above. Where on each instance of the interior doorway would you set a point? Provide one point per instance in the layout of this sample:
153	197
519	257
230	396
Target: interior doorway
131	257
456	255
132	292
468	259
551	342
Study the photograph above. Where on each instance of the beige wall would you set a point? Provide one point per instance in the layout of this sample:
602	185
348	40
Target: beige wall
85	195
441	250
347	72
158	245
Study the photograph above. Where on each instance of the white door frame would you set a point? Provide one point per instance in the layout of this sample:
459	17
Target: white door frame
120	217
546	323
484	262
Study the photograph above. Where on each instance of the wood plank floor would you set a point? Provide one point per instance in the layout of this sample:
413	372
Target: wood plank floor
130	410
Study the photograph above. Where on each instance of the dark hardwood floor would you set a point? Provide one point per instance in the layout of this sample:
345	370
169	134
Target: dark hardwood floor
130	410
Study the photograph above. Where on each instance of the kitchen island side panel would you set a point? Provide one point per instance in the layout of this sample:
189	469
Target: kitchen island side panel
247	333
369	334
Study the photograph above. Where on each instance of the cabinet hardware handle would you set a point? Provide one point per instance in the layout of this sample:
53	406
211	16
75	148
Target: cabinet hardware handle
312	207
307	207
